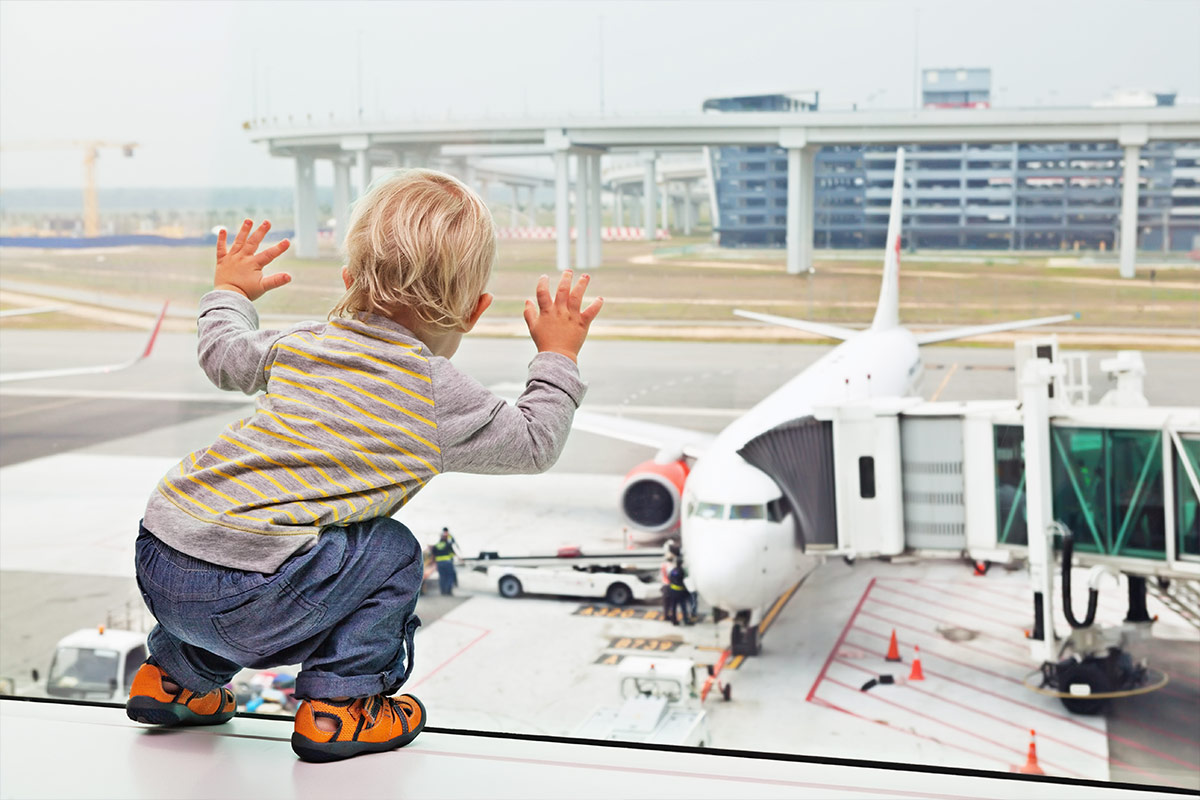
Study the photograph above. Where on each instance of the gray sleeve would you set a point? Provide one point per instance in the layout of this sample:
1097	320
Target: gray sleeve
479	432
232	351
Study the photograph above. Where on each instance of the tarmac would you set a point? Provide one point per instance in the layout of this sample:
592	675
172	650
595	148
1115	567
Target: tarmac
79	456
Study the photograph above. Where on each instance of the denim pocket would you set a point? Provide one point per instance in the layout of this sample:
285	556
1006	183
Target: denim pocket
271	621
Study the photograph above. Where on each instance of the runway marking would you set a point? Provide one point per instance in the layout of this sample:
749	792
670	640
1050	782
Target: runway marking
973	710
973	614
938	638
45	407
782	601
949	374
646	643
841	638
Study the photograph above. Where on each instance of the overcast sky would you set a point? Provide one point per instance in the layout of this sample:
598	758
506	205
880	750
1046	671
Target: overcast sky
181	77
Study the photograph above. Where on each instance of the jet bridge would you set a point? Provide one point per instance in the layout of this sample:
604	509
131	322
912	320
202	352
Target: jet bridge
910	475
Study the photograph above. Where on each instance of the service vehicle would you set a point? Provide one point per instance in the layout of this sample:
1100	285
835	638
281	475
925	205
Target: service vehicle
662	705
618	578
95	664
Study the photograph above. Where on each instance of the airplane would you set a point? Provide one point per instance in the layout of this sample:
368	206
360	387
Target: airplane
30	375
754	504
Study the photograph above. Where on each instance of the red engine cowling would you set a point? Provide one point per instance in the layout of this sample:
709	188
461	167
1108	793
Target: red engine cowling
652	495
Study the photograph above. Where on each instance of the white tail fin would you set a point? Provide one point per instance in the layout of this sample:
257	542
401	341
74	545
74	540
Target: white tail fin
887	313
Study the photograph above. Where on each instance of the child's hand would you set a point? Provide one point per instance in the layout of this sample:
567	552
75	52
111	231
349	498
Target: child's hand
556	324
240	270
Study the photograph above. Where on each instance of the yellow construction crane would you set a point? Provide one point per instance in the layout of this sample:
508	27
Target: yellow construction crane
91	151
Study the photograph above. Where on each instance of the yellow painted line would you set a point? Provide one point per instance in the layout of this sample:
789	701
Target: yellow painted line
775	609
736	662
945	381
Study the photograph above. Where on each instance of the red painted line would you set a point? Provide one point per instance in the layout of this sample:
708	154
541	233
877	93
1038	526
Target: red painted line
938	653
934	635
464	649
935	588
1017	752
973	614
1018	595
833	706
840	639
1112	736
1161	732
1101	756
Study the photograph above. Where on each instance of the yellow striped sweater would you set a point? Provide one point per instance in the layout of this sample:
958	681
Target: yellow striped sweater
356	417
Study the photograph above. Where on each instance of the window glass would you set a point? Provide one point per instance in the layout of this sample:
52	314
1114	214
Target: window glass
710	511
747	512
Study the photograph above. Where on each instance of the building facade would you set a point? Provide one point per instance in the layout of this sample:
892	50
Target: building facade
1001	195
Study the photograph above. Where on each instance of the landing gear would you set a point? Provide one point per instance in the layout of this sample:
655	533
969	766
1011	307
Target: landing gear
744	640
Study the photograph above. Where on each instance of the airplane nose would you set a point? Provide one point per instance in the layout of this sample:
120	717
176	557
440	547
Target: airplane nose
720	566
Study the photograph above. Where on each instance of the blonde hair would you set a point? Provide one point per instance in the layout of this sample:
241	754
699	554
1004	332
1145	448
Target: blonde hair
420	239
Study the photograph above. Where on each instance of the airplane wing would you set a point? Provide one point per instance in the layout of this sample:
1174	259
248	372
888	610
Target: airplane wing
979	330
21	312
819	328
101	368
651	434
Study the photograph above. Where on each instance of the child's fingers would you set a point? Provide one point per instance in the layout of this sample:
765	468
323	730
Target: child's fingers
270	282
564	289
273	252
220	244
589	313
531	314
256	238
242	234
543	293
577	292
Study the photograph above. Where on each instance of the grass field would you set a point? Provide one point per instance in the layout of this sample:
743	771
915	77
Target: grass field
686	282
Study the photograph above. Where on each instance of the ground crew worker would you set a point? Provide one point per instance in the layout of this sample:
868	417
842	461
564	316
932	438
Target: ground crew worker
443	557
665	571
679	595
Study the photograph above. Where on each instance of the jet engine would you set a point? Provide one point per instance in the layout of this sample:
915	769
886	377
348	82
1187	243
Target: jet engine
651	495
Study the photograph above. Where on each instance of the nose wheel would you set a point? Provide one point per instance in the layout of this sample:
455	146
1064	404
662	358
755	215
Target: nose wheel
744	639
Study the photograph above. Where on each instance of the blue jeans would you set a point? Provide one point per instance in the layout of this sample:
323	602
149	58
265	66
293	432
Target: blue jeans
344	611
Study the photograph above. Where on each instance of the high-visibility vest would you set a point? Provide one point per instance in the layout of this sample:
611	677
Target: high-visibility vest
676	575
443	551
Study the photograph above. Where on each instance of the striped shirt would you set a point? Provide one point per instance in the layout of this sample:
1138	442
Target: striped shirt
357	416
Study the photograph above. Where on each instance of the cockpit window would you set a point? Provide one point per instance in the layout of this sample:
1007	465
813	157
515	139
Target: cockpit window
747	512
710	511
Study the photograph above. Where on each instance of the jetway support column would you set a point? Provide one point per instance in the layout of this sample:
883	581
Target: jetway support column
562	212
582	216
1131	139
1036	377
648	189
341	199
595	219
306	207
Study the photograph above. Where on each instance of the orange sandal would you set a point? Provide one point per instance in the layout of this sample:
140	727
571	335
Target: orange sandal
150	703
373	724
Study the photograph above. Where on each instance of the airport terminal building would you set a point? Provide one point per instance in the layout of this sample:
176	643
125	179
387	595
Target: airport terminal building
1001	195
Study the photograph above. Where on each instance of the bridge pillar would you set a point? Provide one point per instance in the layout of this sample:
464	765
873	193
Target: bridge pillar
618	206
1131	139
306	207
514	205
665	206
364	171
648	196
562	212
531	208
801	161
582	216
595	219
341	200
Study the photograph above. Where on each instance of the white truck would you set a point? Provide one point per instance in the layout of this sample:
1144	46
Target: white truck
662	705
95	664
619	578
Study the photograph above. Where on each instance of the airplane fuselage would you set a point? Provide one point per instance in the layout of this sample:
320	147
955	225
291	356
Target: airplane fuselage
738	539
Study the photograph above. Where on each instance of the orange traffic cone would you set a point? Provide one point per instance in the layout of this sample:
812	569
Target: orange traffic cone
917	673
1031	763
893	653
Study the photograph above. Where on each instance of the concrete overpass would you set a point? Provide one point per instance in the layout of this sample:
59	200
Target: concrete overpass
363	145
